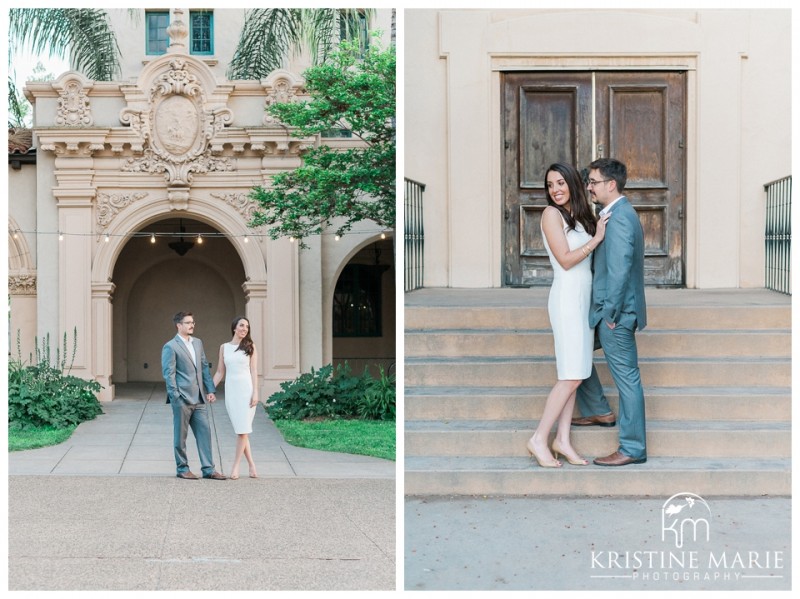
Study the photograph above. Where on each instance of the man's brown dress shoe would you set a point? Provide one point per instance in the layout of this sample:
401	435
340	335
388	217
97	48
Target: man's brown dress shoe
618	459
216	476
595	420
186	475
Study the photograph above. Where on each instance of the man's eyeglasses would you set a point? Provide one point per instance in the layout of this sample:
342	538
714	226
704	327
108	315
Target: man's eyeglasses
191	322
592	182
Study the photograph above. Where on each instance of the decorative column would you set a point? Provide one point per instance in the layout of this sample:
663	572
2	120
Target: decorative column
73	142
102	347
282	343
75	272
74	194
255	297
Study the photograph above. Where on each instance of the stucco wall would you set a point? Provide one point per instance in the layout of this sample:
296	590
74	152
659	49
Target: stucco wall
22	261
22	204
738	115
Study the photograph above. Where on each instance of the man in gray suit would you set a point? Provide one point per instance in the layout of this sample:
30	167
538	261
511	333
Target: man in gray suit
618	310
189	385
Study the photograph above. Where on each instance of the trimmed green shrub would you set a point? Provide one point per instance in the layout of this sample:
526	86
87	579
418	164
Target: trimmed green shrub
322	393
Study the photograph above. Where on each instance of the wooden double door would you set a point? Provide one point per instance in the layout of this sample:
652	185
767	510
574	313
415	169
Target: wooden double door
576	117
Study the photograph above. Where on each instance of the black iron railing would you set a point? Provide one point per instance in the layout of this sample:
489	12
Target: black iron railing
414	235
778	235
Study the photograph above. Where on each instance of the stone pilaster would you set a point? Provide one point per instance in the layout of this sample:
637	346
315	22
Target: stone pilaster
282	312
75	223
102	346
255	296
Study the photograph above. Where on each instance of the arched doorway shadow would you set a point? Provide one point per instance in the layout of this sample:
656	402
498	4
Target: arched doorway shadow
153	281
244	262
362	308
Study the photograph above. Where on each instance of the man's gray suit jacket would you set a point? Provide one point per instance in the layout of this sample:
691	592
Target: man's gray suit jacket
618	283
188	380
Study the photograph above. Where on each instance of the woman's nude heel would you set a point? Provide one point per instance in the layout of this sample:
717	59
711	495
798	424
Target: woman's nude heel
544	464
557	451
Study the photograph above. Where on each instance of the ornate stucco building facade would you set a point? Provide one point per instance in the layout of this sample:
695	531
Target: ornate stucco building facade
697	102
136	206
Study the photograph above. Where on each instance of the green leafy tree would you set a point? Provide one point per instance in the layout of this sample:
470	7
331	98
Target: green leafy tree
40	73
338	187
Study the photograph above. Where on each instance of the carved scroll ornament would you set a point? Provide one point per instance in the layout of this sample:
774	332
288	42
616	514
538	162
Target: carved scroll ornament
74	109
22	284
240	201
177	127
281	87
109	205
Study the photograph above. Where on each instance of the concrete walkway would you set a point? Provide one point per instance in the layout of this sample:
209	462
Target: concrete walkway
479	543
134	437
104	511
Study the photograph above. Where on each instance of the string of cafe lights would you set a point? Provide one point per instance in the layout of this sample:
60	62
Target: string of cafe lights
198	236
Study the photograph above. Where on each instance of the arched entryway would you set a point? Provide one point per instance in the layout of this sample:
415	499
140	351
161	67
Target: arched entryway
363	308
165	268
227	275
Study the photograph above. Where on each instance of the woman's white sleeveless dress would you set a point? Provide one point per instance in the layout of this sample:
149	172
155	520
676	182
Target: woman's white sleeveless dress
568	307
238	389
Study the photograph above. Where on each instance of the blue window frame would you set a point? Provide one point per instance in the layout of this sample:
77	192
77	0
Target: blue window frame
201	31
156	23
354	28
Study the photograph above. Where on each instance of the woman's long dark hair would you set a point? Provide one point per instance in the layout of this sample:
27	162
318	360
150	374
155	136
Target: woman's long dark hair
581	211
246	345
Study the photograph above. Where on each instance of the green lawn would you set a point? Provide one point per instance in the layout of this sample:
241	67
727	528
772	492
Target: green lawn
374	438
363	437
33	437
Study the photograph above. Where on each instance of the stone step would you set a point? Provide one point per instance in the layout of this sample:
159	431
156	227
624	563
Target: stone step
507	438
667	309
716	366
663	476
662	403
536	317
533	371
651	343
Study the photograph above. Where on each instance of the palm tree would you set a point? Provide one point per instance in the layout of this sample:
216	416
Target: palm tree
18	108
270	34
85	33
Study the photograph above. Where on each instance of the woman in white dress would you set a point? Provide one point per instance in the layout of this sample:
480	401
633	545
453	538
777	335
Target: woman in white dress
571	233
237	365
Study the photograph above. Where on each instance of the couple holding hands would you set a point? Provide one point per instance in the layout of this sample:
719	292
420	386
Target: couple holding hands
190	386
597	292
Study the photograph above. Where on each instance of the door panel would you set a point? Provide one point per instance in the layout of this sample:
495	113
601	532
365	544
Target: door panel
641	122
639	119
545	122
